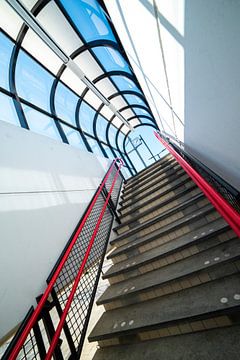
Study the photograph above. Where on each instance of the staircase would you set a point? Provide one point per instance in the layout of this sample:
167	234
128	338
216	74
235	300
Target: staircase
174	285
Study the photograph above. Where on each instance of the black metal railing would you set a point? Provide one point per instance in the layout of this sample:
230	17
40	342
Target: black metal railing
228	192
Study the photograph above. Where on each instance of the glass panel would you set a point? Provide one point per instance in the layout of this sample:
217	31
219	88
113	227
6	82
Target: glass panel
8	112
89	18
112	135
40	123
133	99
111	59
101	128
33	83
141	112
117	122
65	104
9	20
86	116
40	51
94	146
134	122
56	24
108	151
124	83
145	120
88	65
73	136
106	87
6	47
120	140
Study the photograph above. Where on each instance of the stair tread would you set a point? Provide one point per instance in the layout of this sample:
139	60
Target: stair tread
160	232
175	175
192	302
224	253
141	172
144	184
178	183
150	174
214	344
165	214
155	207
171	246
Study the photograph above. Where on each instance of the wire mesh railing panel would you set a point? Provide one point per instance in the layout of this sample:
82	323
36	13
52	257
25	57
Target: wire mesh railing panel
116	189
57	327
231	195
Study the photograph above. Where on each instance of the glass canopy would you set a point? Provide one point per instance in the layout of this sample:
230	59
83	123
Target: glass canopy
40	93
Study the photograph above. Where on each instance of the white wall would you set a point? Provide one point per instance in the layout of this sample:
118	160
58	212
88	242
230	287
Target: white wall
45	187
200	43
212	85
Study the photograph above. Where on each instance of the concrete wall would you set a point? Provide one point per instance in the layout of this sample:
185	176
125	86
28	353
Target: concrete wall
212	85
45	187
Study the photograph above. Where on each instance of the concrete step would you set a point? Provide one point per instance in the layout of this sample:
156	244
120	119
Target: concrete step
214	344
161	175
169	216
163	160
180	228
157	170
206	265
159	195
159	206
192	309
158	189
169	252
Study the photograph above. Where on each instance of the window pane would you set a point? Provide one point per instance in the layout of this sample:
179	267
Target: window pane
6	47
73	136
112	135
89	18
111	59
121	138
8	112
86	116
65	104
101	128
40	123
124	83
133	99
94	146
108	151
141	112
33	82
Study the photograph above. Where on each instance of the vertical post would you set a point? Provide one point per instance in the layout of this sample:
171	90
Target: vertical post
135	148
140	137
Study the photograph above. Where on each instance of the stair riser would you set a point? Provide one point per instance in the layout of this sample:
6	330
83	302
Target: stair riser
142	179
157	208
172	234
171	258
178	328
195	279
159	189
126	237
149	182
160	163
160	197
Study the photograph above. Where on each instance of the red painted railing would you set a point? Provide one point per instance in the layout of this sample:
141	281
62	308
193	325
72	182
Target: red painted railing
231	216
33	319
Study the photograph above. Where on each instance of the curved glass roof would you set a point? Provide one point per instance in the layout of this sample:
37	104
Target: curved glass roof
41	93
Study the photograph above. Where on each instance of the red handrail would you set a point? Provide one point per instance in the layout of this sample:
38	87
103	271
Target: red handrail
222	206
49	288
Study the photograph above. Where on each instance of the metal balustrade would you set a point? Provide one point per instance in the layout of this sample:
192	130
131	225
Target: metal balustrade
57	327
